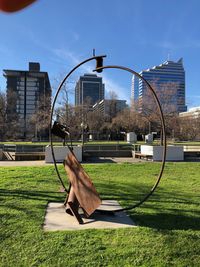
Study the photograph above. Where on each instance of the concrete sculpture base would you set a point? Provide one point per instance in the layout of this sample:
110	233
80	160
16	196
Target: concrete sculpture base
57	219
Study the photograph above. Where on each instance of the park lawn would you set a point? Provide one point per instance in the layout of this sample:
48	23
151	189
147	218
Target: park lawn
61	143
188	143
102	142
168	232
29	143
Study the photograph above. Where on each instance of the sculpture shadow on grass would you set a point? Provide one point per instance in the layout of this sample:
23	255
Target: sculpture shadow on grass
167	221
127	194
31	194
164	210
170	211
30	204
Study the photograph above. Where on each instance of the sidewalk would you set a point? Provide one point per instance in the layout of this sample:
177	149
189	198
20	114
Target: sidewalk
13	163
89	161
112	160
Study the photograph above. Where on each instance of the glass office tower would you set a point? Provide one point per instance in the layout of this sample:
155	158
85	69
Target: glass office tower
167	78
89	90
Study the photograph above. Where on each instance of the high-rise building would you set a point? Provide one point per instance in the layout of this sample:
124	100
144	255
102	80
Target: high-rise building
168	80
192	113
135	88
32	90
89	90
110	107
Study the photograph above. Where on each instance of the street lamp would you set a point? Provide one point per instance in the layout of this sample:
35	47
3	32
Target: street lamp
83	127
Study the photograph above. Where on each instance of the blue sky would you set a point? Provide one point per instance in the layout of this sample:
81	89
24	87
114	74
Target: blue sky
136	34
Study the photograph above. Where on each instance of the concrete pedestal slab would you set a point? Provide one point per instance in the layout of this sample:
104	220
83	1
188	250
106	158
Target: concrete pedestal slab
57	219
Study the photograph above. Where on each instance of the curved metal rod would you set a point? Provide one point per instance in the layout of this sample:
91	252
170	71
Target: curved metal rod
163	134
52	110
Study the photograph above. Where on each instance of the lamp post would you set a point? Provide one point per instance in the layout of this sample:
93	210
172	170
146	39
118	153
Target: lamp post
173	139
83	127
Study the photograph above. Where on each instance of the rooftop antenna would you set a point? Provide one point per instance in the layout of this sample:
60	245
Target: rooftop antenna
93	52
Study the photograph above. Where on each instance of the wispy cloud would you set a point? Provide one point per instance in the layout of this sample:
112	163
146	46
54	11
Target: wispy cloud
172	45
114	86
74	59
69	58
4	50
75	36
197	96
65	54
193	101
41	42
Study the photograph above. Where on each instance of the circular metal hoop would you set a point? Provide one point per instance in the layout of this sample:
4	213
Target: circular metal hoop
98	69
52	111
163	133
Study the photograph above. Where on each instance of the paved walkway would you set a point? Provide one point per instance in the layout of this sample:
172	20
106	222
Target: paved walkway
89	161
22	163
112	160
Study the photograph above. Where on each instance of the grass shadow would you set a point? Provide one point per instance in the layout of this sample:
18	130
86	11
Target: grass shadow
167	221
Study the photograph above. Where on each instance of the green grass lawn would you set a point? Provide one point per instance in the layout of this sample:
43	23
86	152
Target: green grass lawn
168	232
103	142
188	143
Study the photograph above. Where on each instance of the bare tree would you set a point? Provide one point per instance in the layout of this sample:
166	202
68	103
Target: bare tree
2	116
39	121
71	117
167	95
64	109
95	122
189	128
111	106
13	126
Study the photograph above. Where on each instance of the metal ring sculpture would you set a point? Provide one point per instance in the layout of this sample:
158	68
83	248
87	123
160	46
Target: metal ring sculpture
100	68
